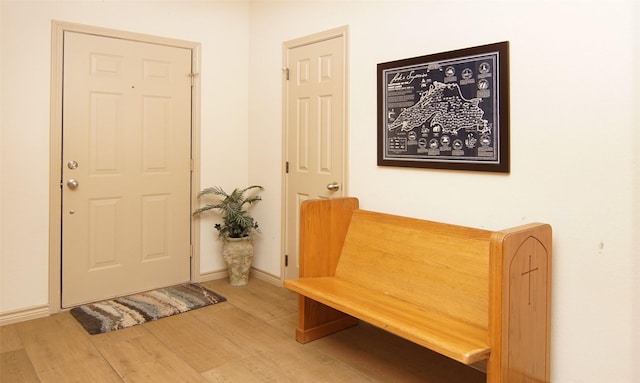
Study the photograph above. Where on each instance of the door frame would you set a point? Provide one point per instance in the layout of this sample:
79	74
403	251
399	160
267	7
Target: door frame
55	143
343	32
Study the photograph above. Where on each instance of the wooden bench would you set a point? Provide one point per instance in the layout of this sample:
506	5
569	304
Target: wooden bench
477	296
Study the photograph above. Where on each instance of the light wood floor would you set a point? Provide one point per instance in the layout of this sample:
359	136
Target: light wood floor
249	338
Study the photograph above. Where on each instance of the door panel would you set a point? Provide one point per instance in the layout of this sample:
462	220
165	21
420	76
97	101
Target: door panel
315	131
127	143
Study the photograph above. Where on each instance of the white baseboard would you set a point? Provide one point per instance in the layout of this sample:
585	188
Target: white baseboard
258	274
269	278
213	276
25	314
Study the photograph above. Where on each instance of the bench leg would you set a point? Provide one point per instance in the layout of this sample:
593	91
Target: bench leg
316	320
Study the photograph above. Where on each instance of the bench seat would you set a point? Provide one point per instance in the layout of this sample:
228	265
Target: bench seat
460	341
471	294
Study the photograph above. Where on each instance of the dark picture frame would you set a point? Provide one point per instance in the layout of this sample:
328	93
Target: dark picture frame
447	110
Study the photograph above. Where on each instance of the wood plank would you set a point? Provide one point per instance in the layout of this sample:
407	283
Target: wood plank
285	323
199	343
138	356
9	339
287	362
247	331
15	366
58	345
261	299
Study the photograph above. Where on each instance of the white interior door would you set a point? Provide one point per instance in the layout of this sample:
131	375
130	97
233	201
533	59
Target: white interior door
126	167
315	129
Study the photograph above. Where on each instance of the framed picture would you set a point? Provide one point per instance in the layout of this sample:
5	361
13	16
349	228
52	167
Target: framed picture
447	110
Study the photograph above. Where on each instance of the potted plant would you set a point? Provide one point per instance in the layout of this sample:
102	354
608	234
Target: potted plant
237	230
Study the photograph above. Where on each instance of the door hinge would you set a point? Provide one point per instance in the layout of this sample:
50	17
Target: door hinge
286	167
286	73
286	260
193	78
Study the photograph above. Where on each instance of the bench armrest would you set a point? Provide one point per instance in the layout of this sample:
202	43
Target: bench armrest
520	304
323	228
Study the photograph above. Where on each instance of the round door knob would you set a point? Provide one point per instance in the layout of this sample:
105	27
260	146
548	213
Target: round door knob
334	186
72	184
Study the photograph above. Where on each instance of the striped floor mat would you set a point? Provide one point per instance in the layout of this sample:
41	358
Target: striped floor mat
136	309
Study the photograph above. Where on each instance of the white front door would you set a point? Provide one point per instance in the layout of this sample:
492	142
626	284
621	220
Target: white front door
126	167
315	128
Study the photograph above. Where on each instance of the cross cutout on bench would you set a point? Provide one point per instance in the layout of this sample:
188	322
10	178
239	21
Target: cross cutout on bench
527	273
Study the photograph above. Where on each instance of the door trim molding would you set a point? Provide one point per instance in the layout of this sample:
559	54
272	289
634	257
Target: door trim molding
55	144
343	32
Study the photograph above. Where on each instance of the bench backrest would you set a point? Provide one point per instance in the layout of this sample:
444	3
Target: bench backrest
434	265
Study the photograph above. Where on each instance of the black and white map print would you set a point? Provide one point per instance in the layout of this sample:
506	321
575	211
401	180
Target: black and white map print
440	110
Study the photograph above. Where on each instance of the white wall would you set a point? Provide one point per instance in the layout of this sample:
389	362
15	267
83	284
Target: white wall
1	161
574	146
574	125
222	29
